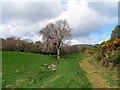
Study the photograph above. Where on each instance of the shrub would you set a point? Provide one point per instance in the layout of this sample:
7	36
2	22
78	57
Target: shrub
116	32
115	58
82	50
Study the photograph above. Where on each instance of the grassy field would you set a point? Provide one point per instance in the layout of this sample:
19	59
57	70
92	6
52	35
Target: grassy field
27	70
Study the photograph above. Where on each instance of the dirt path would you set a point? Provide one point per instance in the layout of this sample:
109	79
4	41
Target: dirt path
92	73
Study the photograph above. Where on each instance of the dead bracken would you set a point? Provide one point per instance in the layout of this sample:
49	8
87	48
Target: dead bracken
50	66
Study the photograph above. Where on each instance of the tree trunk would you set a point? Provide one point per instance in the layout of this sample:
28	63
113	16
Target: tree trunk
58	53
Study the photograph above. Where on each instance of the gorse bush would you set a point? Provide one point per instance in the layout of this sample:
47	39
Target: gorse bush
108	52
115	58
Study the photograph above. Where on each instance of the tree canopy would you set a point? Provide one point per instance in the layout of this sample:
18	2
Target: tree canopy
53	35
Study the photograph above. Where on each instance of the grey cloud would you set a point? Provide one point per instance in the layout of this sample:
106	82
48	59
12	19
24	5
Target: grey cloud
86	18
107	15
31	11
106	8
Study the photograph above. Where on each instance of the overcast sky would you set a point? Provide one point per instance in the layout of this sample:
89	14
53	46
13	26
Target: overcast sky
91	22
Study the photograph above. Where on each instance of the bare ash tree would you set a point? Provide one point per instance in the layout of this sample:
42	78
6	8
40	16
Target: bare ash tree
54	34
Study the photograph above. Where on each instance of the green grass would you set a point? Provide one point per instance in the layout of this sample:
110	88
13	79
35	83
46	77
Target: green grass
24	70
0	69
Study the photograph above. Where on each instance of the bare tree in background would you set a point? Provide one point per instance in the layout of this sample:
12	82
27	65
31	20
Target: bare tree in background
54	33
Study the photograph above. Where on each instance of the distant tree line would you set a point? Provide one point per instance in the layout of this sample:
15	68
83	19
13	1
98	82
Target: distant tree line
16	44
